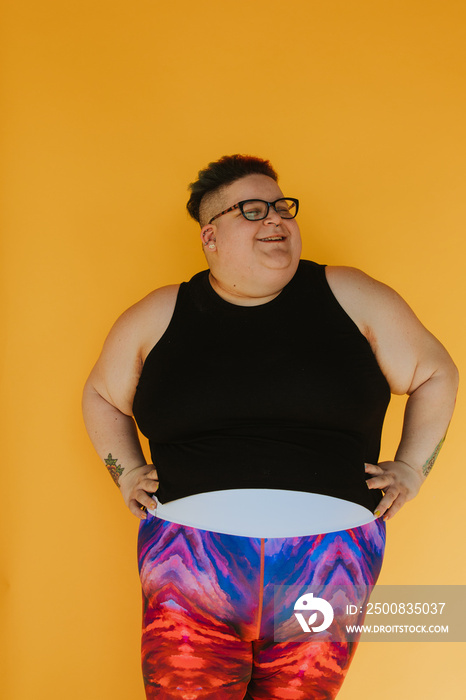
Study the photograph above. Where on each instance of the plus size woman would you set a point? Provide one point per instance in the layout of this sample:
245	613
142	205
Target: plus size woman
262	385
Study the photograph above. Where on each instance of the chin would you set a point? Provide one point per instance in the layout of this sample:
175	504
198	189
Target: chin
281	260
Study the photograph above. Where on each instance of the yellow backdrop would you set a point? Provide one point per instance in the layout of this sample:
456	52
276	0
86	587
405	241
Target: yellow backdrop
110	109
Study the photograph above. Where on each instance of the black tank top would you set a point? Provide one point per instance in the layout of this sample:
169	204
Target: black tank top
284	395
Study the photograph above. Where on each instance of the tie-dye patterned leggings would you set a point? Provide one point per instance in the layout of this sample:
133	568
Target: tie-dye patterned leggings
208	610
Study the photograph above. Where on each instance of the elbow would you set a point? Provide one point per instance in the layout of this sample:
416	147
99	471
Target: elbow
87	398
450	374
455	376
91	396
452	371
444	375
88	391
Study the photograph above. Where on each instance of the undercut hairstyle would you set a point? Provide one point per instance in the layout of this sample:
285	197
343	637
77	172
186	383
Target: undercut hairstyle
218	175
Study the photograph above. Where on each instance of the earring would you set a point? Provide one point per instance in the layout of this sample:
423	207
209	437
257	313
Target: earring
211	246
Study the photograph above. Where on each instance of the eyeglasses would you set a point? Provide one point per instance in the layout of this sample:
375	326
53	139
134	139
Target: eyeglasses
257	209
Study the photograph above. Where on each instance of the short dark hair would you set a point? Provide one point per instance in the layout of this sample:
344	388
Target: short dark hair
223	172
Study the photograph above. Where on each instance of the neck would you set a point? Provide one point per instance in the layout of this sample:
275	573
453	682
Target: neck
241	298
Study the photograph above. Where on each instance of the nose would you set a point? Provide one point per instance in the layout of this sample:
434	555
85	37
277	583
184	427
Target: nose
273	217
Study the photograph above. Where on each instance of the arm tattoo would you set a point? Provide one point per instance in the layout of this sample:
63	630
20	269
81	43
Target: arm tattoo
115	470
430	462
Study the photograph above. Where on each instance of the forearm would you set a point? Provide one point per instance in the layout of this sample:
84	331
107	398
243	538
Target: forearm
427	416
113	434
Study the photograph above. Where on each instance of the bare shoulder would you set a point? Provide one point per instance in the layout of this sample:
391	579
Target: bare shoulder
367	300
407	353
116	373
160	300
146	321
355	284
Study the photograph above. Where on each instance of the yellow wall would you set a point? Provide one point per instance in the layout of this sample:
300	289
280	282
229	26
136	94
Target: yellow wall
110	108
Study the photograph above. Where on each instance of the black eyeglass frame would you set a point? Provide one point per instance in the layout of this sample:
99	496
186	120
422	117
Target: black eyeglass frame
241	204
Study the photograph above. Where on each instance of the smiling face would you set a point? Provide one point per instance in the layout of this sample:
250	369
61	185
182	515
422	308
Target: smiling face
250	261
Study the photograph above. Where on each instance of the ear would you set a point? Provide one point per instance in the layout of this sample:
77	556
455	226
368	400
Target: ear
208	235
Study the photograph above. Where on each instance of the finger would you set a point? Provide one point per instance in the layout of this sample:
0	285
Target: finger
150	485
144	499
140	511
143	483
135	509
379	482
389	498
373	468
153	475
397	504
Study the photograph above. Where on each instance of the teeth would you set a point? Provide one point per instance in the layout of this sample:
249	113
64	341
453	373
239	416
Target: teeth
273	238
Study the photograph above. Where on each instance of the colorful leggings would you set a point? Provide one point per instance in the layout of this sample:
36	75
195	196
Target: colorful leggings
208	610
